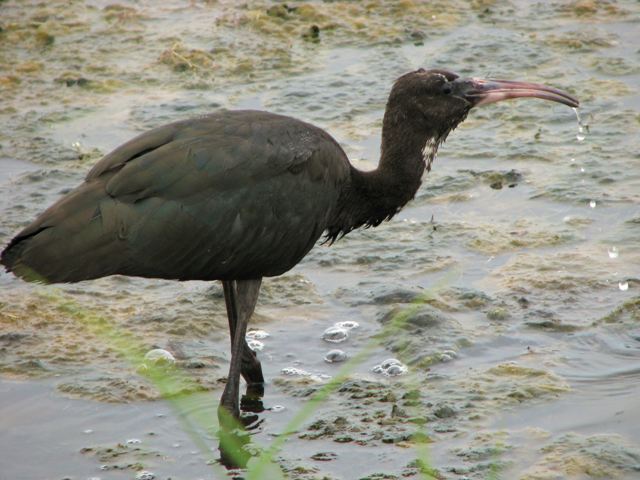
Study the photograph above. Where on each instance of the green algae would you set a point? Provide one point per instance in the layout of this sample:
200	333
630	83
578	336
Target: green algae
574	456
122	456
498	238
365	22
582	40
626	313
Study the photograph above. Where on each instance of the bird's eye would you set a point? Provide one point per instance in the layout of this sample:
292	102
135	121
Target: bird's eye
446	89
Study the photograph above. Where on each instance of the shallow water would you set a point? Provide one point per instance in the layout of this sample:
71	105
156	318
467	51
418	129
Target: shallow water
523	352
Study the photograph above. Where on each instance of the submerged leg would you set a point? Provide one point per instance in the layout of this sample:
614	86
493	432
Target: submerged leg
241	297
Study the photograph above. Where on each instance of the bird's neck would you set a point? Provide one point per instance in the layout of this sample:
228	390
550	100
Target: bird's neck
375	196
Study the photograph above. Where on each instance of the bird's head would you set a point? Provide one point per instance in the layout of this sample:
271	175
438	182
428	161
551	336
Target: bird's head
435	101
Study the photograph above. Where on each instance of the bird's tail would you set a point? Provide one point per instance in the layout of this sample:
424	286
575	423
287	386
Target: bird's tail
68	242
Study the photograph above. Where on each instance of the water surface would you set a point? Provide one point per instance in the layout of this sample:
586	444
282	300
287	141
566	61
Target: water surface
523	341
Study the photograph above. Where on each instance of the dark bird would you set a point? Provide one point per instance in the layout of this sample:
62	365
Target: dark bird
237	196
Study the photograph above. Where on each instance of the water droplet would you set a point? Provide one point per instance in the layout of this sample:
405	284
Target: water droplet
623	285
573	160
335	334
145	475
134	441
277	408
159	356
255	345
581	169
392	367
613	252
257	334
335	356
348	324
580	136
592	203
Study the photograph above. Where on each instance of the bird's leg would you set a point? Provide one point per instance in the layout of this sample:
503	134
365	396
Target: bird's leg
251	369
240	297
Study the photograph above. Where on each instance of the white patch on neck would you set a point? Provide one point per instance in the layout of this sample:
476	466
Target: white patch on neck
429	152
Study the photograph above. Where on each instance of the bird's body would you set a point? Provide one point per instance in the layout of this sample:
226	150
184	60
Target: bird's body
183	202
240	195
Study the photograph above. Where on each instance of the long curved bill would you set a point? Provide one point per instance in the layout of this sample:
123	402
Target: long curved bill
481	92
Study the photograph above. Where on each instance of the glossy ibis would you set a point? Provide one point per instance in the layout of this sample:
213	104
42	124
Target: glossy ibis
237	196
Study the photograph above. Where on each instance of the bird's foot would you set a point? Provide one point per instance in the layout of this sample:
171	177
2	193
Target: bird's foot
251	368
251	402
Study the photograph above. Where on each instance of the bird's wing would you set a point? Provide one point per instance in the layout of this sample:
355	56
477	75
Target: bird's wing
218	153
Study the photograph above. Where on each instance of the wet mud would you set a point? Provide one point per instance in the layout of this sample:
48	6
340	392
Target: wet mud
507	291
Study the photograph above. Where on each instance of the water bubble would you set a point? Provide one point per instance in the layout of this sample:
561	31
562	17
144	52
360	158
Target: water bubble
448	355
277	408
623	285
592	203
392	367
255	345
347	325
145	475
134	441
176	445
257	334
87	431
573	160
580	136
159	356
395	370
613	252
335	356
335	334
293	371
582	170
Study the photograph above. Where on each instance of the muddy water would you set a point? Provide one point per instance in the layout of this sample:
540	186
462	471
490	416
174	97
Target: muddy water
516	266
